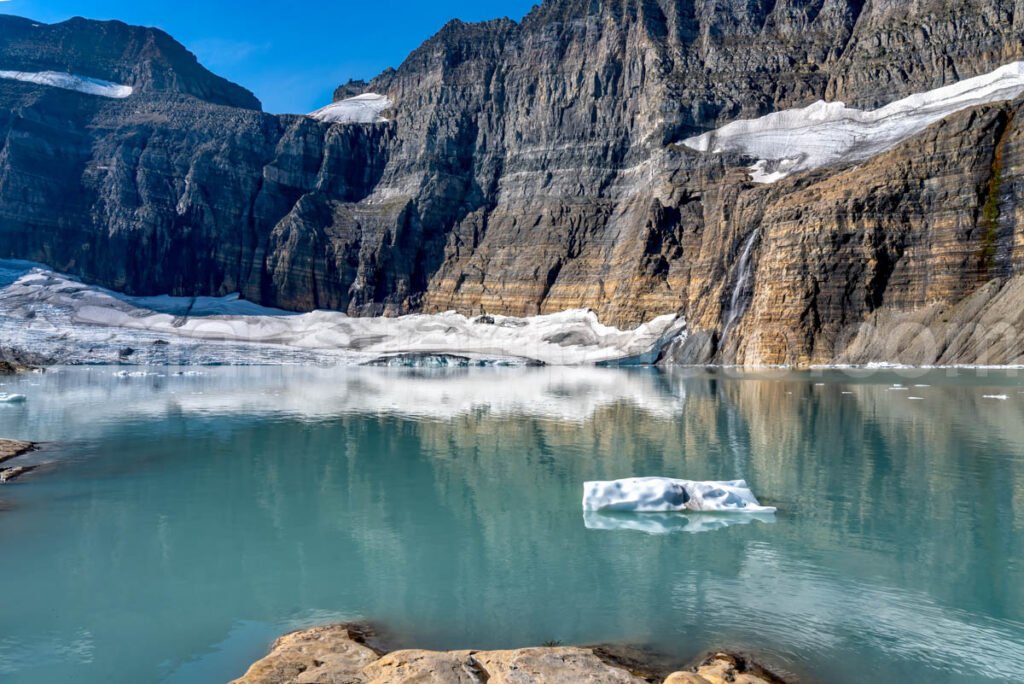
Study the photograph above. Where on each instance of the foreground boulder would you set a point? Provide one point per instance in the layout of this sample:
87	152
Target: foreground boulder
345	654
723	668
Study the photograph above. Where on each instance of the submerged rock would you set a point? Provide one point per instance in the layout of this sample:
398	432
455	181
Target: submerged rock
9	449
343	654
11	474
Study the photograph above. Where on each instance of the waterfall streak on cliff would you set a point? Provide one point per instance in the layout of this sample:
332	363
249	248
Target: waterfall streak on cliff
744	281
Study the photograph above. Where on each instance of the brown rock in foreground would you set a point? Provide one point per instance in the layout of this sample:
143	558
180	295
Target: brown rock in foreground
10	448
340	654
721	668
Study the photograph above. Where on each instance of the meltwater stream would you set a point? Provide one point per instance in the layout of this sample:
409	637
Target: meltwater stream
190	518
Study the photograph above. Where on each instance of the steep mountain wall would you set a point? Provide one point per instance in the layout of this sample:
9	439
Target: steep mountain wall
532	167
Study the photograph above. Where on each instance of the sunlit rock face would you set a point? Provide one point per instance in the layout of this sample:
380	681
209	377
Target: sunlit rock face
143	59
486	184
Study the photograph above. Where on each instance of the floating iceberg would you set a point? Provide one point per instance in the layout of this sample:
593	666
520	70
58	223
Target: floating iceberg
663	495
827	133
82	84
669	523
11	398
363	109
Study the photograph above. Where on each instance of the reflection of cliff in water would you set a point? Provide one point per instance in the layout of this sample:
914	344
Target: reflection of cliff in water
447	507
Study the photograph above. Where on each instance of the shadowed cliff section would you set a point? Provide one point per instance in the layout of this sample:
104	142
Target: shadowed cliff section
531	167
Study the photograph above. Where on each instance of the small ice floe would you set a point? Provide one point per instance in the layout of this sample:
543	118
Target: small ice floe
135	374
997	397
847	392
915	398
669	523
6	398
663	495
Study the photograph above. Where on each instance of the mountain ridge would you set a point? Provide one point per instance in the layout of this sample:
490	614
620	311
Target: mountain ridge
533	167
146	58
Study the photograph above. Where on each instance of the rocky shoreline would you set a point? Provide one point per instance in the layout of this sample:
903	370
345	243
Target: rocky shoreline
13	361
11	449
354	654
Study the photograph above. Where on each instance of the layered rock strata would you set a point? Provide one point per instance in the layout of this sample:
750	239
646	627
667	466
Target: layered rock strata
531	167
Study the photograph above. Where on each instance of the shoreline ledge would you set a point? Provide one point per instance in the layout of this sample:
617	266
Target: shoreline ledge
11	449
352	654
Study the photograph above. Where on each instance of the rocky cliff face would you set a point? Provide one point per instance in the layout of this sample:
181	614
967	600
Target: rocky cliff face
531	167
147	59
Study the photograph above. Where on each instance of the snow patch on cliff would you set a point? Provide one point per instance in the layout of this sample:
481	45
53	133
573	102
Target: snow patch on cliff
827	133
363	109
78	323
82	84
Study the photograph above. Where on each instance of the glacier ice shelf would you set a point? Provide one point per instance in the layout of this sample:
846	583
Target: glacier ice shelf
58	317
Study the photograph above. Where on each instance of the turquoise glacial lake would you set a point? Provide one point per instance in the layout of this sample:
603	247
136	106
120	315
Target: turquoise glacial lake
186	518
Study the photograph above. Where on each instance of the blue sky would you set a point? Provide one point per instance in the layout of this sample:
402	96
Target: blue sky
291	54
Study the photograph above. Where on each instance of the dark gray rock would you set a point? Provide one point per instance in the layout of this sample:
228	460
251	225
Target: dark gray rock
526	168
147	59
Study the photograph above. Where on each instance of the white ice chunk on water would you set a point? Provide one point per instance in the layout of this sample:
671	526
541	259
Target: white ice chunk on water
364	109
663	495
825	133
82	84
6	398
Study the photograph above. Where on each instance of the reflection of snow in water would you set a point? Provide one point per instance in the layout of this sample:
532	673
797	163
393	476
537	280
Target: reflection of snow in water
669	523
103	395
